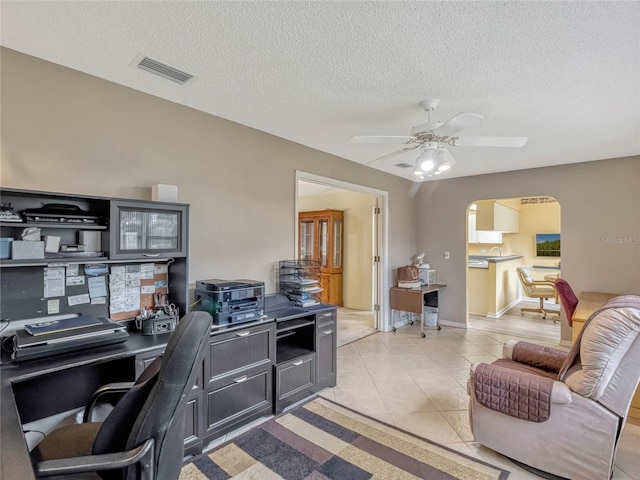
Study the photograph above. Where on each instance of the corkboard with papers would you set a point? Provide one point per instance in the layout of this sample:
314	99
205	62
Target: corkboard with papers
132	288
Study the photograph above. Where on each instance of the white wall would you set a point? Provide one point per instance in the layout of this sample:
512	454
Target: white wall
358	241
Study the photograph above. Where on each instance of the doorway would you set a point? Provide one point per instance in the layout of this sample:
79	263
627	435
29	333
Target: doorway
503	235
364	241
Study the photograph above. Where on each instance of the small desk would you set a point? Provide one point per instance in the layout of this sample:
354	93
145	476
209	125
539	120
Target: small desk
588	303
413	300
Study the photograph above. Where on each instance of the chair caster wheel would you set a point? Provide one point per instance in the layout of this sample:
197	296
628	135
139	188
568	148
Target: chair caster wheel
422	335
439	327
393	329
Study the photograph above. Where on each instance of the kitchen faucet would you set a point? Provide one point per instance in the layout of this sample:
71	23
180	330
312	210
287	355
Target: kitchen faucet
496	248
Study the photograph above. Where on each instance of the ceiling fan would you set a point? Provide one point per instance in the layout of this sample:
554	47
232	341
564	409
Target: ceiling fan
432	138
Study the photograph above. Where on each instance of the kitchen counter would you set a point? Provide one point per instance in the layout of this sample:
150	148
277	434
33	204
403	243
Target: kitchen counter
482	261
493	284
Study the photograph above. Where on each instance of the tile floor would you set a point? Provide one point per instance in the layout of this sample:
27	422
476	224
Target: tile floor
354	324
419	385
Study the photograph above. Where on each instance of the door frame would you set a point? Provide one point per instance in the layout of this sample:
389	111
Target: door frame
381	283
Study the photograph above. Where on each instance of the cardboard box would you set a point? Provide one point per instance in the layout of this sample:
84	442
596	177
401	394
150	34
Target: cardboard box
23	250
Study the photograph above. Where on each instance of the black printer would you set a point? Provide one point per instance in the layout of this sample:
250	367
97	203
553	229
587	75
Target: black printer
230	301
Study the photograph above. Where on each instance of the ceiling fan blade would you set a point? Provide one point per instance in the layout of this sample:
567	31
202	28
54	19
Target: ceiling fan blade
425	127
392	154
491	141
457	123
393	139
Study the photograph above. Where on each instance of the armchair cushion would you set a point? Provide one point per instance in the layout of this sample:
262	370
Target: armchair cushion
538	356
521	395
591	365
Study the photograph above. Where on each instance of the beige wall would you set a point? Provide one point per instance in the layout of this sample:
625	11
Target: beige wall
358	241
600	224
66	131
535	218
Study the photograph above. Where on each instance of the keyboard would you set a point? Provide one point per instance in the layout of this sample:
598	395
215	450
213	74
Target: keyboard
7	216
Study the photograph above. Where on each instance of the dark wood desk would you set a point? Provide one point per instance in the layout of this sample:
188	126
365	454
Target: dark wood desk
39	388
412	300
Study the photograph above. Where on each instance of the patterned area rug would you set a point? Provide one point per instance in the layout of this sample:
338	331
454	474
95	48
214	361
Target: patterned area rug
321	440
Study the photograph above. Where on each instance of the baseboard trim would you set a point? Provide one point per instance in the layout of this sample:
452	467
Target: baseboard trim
448	323
504	310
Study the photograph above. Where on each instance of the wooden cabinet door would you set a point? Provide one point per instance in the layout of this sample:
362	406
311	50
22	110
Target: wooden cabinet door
321	238
325	284
307	239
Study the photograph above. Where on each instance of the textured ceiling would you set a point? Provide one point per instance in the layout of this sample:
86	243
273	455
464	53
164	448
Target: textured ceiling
564	74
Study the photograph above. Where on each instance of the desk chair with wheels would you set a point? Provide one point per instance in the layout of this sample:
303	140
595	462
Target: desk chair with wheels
537	289
143	436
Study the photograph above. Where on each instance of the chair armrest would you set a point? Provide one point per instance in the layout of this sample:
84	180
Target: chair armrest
108	389
522	395
96	463
538	356
548	283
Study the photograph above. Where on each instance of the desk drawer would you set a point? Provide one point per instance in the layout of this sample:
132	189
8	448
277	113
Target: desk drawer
325	319
241	400
294	381
233	352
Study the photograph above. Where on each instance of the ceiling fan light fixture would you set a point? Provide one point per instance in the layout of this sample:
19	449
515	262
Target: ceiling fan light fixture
417	170
443	167
426	160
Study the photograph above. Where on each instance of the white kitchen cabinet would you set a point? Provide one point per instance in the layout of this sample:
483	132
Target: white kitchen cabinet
480	236
493	216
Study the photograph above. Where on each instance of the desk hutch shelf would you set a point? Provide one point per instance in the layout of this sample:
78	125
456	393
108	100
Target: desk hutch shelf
123	231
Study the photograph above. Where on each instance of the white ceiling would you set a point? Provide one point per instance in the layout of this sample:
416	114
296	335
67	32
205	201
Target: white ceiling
564	74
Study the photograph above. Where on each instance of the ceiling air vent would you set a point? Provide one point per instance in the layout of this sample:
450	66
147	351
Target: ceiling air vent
164	71
403	165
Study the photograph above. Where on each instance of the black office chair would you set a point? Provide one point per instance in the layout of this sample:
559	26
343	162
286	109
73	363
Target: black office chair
143	436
